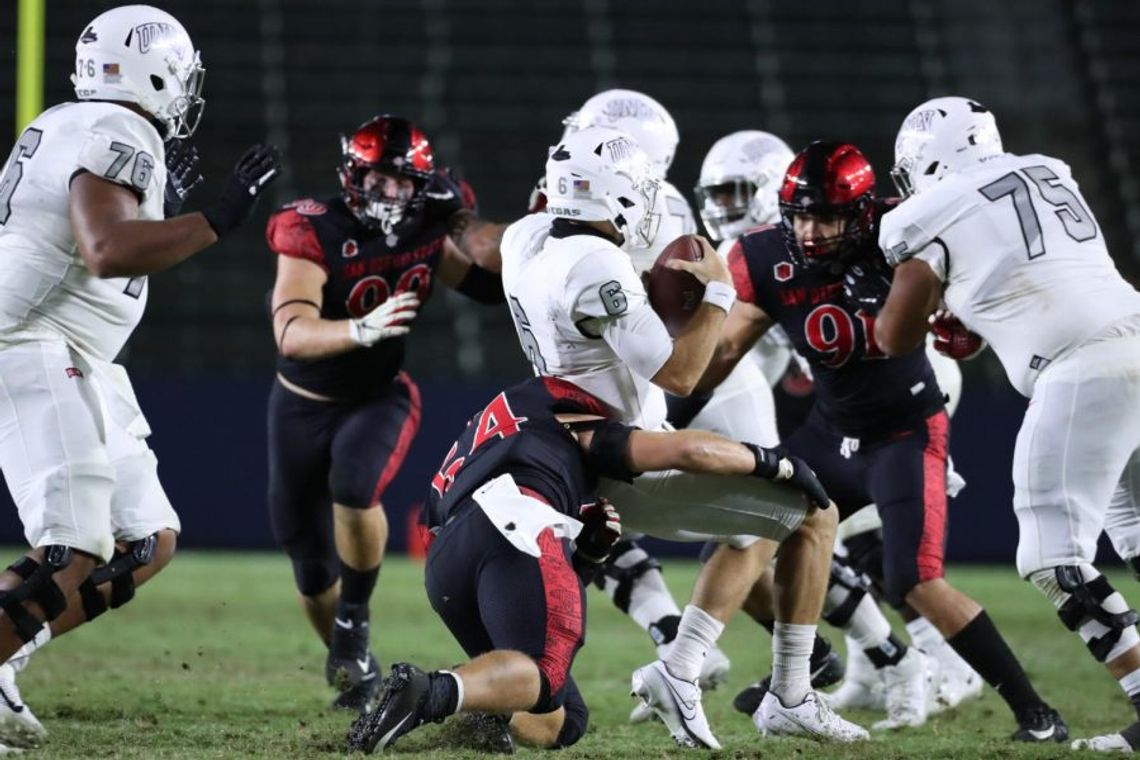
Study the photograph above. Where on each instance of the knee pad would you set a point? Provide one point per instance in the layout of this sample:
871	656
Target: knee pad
1088	604
314	576
845	589
627	562
865	554
576	719
119	573
40	587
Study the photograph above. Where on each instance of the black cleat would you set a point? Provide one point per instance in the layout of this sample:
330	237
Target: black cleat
403	706
350	668
826	669
1040	724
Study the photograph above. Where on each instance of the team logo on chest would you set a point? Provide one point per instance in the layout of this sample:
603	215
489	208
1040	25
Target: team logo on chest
349	249
783	271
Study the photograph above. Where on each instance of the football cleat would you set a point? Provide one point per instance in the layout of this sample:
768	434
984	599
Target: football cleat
957	681
862	688
1040	724
676	702
18	726
714	670
826	669
487	733
350	667
905	686
403	706
812	718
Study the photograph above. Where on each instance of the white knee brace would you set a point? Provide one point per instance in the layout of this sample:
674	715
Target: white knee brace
1088	604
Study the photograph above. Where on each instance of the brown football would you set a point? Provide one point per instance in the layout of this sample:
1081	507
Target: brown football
674	294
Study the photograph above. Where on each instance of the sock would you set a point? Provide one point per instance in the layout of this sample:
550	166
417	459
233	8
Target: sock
871	633
445	694
649	597
791	654
19	660
696	634
924	635
1131	685
983	649
355	590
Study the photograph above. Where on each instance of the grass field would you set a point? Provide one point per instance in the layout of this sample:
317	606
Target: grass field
215	660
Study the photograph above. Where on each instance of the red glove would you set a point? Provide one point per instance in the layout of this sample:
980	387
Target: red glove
601	528
953	339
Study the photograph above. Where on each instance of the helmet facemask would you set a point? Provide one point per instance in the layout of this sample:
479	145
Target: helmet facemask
371	206
637	221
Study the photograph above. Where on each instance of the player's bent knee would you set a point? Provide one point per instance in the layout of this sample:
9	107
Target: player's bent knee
119	572
39	588
314	577
1088	605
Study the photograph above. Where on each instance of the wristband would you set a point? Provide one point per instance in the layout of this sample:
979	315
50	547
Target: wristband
720	295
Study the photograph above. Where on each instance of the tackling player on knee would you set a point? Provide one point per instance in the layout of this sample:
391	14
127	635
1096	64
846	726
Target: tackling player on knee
89	209
352	272
1000	240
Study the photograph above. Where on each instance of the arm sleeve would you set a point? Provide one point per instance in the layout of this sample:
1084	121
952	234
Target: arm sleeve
741	277
289	233
609	302
126	151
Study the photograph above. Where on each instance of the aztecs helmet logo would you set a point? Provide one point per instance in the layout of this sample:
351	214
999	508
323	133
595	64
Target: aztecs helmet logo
783	271
349	249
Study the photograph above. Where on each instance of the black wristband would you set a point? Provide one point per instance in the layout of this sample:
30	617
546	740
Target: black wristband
767	461
482	285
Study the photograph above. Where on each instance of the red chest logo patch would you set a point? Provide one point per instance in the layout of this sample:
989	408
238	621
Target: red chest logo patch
349	249
783	271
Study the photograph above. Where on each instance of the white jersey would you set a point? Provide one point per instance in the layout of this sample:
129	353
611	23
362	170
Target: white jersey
1022	258
676	220
45	288
582	314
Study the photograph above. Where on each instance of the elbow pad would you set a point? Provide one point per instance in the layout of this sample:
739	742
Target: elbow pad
608	450
482	285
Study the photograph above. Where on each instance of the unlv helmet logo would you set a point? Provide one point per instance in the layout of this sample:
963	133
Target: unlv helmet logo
349	249
782	271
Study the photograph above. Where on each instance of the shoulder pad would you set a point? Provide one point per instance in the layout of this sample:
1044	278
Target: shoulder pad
290	233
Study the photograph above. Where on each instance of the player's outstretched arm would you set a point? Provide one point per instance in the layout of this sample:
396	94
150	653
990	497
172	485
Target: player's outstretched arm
694	347
114	242
460	273
902	324
746	324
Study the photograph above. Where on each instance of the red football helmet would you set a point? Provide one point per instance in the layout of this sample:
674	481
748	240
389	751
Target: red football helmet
394	146
831	180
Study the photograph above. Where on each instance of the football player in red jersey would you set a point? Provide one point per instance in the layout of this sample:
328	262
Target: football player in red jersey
352	271
879	432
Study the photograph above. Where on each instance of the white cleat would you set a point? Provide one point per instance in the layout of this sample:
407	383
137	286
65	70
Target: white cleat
958	681
676	702
641	713
714	670
1105	743
905	685
812	718
18	726
862	687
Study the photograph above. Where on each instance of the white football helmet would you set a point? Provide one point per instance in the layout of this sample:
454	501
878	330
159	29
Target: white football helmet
942	135
140	54
598	174
740	182
636	114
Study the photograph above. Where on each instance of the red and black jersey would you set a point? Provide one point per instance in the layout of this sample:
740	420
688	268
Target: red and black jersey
860	391
364	267
518	434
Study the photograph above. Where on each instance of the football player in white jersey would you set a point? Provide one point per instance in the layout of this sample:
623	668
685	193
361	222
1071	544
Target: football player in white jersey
631	577
1010	246
582	314
81	226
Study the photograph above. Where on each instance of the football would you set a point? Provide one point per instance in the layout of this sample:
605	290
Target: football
675	295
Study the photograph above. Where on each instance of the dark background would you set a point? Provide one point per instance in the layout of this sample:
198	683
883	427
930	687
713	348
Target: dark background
490	81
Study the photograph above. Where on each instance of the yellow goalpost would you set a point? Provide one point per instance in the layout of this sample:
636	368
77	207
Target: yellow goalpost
29	62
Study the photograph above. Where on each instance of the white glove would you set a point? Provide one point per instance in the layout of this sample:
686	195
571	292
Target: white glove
388	320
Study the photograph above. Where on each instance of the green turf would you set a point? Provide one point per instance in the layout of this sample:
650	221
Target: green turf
214	659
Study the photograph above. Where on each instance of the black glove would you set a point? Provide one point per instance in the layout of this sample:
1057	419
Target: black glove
254	171
866	285
182	175
780	467
444	194
601	528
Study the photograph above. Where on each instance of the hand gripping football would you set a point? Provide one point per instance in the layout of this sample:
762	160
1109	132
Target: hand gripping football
674	294
953	338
